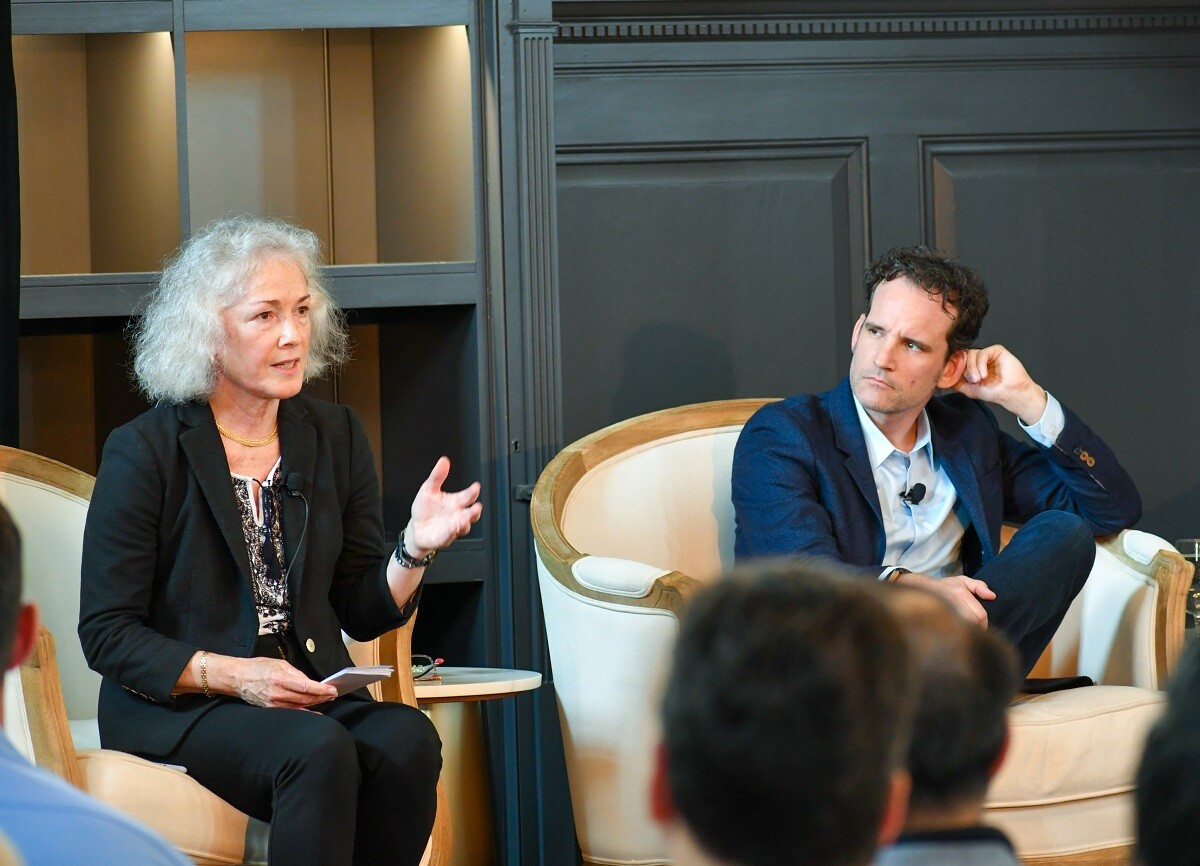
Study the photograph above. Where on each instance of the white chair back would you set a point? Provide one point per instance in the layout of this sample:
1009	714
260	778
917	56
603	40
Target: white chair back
51	520
639	500
665	503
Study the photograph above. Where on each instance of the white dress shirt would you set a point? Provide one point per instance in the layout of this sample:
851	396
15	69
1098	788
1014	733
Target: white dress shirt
927	537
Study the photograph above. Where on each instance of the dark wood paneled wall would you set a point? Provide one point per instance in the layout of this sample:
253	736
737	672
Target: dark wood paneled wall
723	179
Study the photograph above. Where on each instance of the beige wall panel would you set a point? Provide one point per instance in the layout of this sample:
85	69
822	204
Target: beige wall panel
257	126
352	146
51	73
134	168
423	137
57	399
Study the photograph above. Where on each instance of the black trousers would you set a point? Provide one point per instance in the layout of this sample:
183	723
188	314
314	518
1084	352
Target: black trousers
1035	578
353	782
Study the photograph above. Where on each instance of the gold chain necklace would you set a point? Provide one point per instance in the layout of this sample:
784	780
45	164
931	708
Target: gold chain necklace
249	443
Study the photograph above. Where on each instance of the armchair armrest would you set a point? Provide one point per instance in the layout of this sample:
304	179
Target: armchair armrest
627	583
1172	576
46	712
393	648
1126	625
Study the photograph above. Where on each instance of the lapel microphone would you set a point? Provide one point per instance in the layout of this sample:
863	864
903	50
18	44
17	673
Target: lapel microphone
912	496
293	484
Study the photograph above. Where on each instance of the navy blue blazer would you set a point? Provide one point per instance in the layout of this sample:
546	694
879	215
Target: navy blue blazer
166	572
803	485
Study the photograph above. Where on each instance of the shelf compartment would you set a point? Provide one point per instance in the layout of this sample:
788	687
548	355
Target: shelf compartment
366	137
99	172
427	404
451	622
75	387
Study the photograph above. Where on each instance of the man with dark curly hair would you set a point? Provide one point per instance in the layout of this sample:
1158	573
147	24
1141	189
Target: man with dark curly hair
881	474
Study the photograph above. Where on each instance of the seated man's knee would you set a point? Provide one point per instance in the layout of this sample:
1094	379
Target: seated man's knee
1067	535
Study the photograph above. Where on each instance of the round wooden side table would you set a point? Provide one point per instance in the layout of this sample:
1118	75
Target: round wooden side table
450	704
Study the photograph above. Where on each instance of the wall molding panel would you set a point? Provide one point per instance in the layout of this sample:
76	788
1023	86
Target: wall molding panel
868	26
1087	244
818	65
937	177
653	304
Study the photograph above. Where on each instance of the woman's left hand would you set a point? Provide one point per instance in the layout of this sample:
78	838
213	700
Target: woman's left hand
440	516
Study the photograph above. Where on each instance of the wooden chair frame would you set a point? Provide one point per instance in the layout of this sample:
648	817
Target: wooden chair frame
558	479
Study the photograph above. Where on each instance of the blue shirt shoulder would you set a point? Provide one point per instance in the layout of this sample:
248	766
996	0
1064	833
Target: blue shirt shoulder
50	822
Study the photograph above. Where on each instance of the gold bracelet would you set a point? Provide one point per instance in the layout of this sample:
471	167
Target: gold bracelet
204	673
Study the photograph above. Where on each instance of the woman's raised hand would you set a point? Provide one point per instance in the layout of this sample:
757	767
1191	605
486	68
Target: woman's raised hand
440	516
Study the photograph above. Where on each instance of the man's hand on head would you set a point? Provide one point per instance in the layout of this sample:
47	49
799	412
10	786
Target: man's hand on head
995	375
961	591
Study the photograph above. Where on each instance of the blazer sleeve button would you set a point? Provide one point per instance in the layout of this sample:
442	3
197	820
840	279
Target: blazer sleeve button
310	645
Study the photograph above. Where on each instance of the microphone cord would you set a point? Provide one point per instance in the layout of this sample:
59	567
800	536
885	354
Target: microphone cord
303	532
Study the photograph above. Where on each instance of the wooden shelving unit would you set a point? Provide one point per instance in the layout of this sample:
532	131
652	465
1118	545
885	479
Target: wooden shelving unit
360	121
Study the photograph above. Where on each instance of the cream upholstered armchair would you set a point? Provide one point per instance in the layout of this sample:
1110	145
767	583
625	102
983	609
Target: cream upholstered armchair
627	521
50	707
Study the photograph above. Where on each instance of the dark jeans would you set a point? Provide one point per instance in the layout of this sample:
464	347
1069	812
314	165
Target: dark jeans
354	781
1035	578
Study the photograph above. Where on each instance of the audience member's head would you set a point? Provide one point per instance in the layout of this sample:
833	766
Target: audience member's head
966	679
786	718
960	288
1168	782
18	622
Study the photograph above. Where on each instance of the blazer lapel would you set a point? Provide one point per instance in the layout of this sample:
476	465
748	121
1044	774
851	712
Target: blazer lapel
298	444
961	471
202	445
848	436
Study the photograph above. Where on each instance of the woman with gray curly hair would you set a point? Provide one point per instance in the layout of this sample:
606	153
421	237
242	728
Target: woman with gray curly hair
234	533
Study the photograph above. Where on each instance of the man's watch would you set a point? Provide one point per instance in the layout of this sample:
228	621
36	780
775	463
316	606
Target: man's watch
894	574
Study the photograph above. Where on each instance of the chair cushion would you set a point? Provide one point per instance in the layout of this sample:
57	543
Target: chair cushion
1074	744
192	818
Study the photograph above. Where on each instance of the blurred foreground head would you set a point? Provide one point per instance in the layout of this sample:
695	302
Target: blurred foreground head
786	718
966	679
1168	782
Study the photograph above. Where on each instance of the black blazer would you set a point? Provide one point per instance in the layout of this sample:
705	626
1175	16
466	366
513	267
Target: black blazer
166	573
